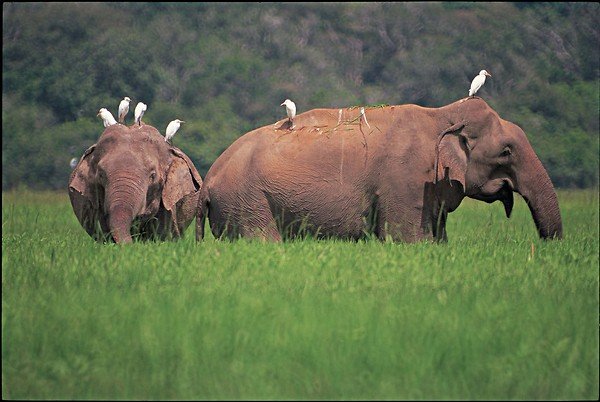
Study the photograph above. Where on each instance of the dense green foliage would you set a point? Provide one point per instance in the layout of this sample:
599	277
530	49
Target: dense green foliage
225	68
494	314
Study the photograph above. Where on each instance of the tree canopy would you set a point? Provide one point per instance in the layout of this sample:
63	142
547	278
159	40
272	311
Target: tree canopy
225	68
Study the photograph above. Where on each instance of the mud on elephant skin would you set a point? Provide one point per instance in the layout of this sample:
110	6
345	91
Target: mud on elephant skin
398	176
132	184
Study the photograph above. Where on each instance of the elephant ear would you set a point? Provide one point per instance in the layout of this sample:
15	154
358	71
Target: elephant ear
452	154
182	182
82	192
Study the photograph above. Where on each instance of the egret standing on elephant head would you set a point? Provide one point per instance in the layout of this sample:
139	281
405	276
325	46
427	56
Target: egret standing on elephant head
172	128
107	117
123	109
478	82
140	108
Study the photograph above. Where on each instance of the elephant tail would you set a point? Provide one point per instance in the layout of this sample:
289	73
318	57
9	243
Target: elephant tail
201	213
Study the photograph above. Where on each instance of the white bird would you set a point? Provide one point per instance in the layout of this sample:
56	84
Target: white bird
172	128
107	117
290	108
140	108
73	163
478	82
123	109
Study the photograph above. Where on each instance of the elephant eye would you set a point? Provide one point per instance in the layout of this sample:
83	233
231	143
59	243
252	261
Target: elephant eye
506	151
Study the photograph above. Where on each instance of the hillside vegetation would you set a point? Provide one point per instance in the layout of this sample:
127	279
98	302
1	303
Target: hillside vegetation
225	69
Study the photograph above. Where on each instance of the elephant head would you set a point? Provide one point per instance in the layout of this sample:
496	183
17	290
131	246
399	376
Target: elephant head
481	156
131	180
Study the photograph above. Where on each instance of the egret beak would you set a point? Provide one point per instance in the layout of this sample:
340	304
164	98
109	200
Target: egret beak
282	104
488	74
181	121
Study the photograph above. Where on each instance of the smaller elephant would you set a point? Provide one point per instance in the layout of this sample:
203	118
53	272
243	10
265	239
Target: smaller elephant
131	183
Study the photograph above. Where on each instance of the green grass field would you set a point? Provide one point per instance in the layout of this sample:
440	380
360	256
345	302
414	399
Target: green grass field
496	313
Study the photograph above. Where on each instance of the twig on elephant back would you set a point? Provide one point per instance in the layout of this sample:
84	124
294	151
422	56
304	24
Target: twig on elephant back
352	121
363	114
379	105
345	123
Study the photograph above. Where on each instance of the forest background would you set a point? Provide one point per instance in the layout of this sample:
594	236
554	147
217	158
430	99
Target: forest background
225	68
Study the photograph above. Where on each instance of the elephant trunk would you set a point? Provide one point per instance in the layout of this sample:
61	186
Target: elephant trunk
536	188
124	201
120	224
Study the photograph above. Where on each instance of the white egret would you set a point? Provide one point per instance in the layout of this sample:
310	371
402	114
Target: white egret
290	108
478	82
107	117
172	128
73	163
140	108
123	109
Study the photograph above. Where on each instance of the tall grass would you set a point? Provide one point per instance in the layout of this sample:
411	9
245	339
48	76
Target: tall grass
496	313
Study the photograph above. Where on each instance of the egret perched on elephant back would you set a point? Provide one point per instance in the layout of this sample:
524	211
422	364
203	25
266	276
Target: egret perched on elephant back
140	109
290	109
397	179
131	184
478	82
172	128
123	109
107	117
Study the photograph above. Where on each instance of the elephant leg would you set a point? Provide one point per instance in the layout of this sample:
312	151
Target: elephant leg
439	228
261	224
434	214
400	231
231	220
268	233
399	222
176	230
233	231
169	225
185	212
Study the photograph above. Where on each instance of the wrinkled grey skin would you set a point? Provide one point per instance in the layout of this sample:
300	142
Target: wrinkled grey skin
132	184
398	172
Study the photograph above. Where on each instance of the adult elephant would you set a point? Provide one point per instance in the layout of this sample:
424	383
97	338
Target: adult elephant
393	171
133	182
